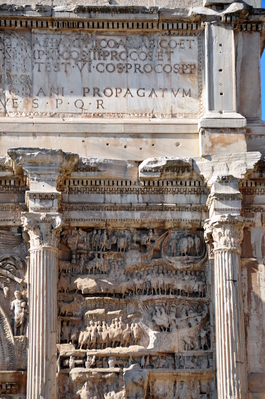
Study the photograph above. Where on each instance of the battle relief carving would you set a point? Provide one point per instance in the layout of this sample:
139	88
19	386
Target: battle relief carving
13	308
133	302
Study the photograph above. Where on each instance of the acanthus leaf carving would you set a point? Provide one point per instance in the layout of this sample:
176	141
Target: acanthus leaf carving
43	229
224	233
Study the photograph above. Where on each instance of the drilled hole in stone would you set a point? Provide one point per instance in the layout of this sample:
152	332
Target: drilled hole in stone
140	148
220	70
107	143
125	146
221	94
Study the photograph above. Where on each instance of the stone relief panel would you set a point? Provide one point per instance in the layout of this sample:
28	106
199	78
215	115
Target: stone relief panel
133	302
50	74
13	313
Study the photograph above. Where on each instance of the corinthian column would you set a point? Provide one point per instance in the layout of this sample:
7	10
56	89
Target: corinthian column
43	230
44	170
226	233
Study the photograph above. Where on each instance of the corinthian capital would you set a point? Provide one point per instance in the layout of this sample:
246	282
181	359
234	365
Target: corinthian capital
224	233
43	229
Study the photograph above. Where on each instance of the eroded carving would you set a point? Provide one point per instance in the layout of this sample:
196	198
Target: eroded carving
134	300
225	233
43	229
19	308
13	296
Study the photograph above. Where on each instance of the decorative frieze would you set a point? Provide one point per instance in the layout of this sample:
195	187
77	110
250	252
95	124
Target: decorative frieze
132	299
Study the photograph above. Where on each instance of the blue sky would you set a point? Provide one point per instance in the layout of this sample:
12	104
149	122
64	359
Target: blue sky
262	66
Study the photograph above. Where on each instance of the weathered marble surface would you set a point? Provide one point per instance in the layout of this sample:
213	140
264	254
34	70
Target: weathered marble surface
151	76
135	294
122	274
150	3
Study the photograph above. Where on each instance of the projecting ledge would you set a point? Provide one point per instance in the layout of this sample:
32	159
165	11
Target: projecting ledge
209	167
229	120
96	125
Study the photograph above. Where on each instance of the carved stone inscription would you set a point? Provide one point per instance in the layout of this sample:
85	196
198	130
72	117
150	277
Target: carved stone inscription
92	75
132	305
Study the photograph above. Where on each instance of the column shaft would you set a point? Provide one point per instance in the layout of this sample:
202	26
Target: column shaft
42	327
230	343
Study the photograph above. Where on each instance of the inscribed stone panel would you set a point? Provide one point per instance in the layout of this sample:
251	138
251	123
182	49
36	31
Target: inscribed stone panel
101	75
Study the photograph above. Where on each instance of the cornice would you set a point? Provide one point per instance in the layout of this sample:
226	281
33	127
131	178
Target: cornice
122	18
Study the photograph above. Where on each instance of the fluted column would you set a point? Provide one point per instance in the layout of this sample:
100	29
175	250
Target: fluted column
43	230
44	171
225	233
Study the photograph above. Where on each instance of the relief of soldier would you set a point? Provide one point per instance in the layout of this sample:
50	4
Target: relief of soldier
159	281
185	246
101	334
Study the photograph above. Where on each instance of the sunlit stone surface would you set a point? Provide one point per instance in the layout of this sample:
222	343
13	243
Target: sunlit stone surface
132	200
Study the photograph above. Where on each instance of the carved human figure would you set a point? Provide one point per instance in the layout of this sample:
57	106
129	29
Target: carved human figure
136	333
160	281
71	363
111	362
168	283
173	247
90	361
197	243
184	391
122	242
172	315
19	307
114	334
103	241
81	263
74	332
87	336
183	320
65	332
160	318
204	339
93	335
81	240
148	283
141	284
104	335
92	240
155	281
126	336
136	282
190	244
